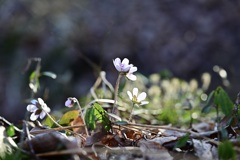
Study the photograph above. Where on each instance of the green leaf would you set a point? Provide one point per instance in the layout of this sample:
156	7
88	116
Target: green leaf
102	116
49	74
69	117
182	141
226	151
90	118
97	113
207	107
48	122
10	131
222	100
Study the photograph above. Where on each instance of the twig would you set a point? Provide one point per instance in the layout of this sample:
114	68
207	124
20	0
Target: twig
8	123
56	129
192	134
29	142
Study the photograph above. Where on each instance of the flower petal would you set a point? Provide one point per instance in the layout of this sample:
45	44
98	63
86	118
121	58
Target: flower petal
34	101
118	67
42	115
144	102
125	61
133	69
31	108
135	92
33	116
141	96
131	77
125	68
117	61
40	101
130	95
69	103
46	108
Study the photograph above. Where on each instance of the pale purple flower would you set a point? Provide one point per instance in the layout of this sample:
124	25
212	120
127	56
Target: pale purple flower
122	66
69	102
126	68
38	108
137	99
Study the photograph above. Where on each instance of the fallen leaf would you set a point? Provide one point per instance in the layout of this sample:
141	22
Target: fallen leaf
204	150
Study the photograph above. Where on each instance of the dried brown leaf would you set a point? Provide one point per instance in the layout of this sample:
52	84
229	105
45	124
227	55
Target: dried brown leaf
78	121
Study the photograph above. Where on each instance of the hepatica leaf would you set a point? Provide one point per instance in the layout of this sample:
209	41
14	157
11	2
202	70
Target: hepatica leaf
97	114
222	100
68	117
90	118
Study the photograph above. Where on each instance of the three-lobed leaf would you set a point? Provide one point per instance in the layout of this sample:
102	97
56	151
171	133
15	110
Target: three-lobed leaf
97	114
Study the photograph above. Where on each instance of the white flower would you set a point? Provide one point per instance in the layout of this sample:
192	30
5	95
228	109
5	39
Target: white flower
38	109
123	66
130	75
137	99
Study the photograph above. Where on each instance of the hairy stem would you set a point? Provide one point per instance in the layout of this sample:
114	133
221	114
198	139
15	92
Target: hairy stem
81	113
130	117
116	94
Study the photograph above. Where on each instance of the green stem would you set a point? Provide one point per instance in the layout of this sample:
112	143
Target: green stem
130	117
60	125
50	117
114	110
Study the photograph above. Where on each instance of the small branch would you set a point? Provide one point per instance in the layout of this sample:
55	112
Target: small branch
56	129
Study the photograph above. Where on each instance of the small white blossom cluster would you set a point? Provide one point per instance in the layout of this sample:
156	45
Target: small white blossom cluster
128	69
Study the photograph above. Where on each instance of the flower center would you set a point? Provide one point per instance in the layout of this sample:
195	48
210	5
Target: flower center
134	99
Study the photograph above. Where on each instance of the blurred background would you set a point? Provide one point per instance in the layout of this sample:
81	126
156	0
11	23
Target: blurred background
77	39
